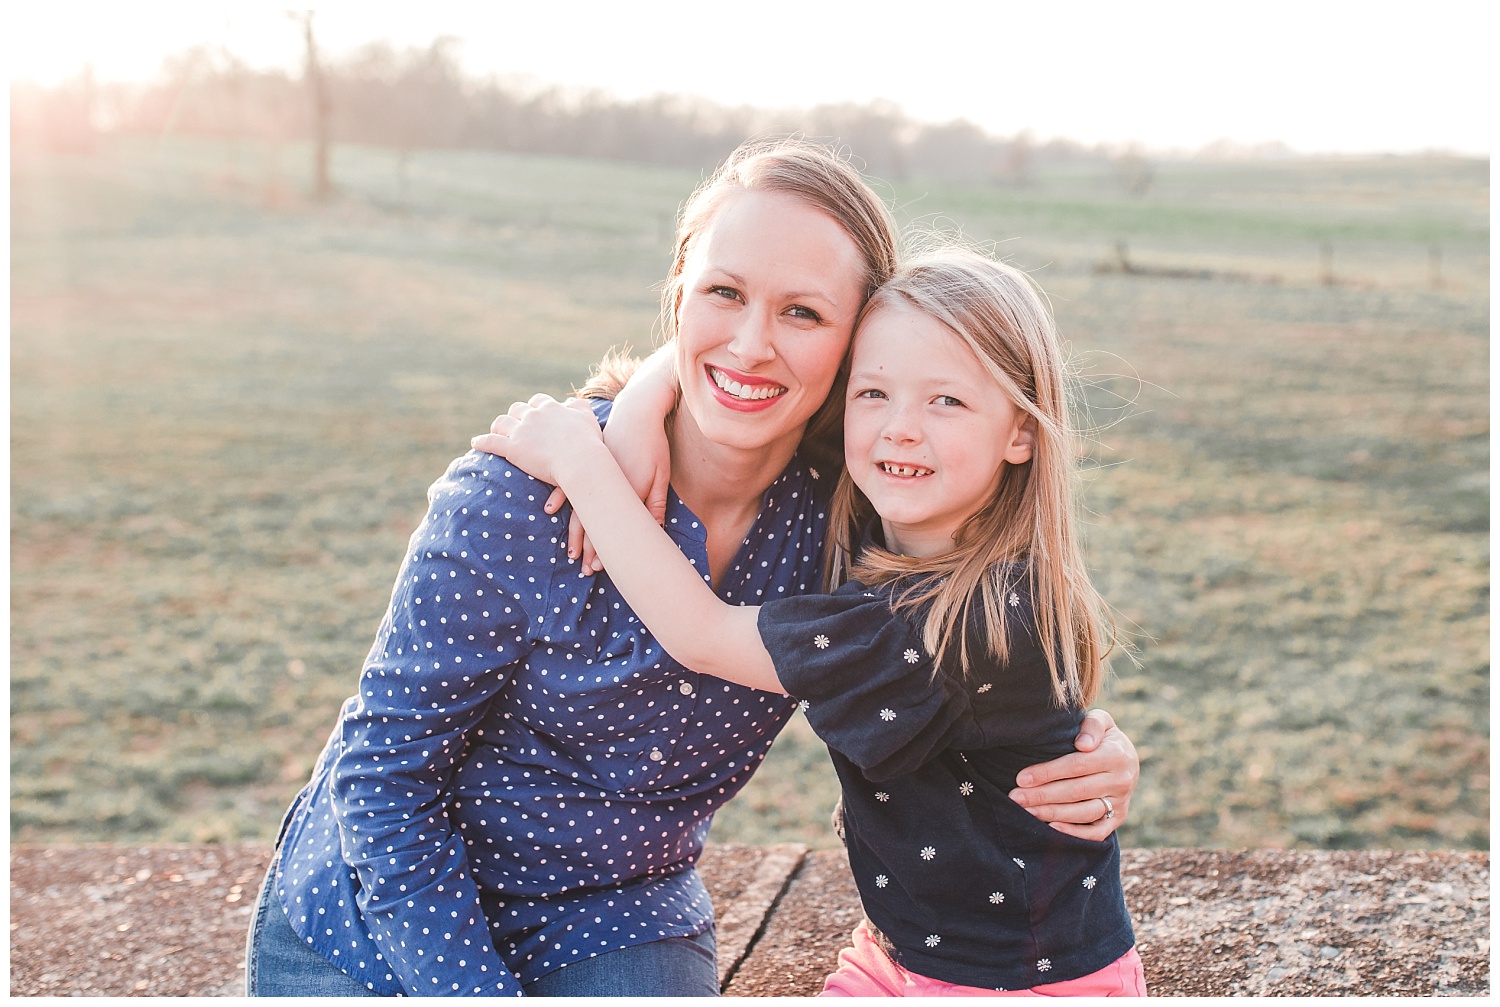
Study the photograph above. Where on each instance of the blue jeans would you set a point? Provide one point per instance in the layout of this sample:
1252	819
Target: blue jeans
278	963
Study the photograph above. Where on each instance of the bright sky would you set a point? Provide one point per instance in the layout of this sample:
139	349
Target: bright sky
1318	75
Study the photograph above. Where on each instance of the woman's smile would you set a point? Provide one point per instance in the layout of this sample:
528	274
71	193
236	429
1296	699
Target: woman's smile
742	391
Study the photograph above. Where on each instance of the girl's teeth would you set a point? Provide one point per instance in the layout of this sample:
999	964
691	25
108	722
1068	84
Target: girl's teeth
904	470
749	392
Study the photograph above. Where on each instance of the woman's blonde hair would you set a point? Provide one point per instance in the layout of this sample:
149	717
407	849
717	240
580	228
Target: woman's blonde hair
1027	528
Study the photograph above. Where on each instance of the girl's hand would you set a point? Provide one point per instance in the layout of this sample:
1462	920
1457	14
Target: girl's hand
636	435
543	437
1077	791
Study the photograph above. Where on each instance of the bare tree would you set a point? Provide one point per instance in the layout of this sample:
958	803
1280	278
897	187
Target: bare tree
318	87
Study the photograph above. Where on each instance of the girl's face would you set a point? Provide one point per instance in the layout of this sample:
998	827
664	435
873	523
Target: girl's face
926	429
770	291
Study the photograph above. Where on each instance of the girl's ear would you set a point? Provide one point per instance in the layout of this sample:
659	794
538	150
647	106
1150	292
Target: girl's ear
1022	441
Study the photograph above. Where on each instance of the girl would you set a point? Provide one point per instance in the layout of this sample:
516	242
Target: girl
962	642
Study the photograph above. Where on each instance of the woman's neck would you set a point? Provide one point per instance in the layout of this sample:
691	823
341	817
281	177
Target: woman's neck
722	485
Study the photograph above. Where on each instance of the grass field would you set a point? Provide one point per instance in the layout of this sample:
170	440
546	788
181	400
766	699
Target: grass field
227	404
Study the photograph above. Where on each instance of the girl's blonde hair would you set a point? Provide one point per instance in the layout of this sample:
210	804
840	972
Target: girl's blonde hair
1028	524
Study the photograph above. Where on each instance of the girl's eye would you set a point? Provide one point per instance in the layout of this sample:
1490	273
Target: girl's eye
870	393
948	400
798	311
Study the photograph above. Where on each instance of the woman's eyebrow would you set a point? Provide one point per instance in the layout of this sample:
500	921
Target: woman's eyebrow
791	295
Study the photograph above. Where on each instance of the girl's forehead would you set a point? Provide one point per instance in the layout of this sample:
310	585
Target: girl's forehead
895	322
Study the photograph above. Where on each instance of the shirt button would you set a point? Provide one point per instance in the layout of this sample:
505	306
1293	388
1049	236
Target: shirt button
656	755
686	688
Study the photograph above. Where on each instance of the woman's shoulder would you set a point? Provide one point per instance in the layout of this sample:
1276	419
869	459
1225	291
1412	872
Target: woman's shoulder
479	485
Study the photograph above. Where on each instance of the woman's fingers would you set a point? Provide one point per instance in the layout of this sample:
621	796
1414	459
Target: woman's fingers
1096	723
1078	792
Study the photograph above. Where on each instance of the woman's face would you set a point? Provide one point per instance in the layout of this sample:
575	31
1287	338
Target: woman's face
770	291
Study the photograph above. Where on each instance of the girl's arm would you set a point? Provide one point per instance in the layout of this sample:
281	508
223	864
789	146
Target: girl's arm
564	447
643	395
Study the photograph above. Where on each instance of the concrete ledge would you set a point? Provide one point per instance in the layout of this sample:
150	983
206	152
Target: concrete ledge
171	920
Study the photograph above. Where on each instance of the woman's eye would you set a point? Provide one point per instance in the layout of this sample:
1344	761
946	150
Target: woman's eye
728	292
798	311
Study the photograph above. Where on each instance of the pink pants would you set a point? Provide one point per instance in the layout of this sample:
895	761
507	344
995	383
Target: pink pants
867	971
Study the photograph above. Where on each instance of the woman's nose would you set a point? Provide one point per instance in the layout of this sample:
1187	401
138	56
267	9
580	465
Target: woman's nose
752	343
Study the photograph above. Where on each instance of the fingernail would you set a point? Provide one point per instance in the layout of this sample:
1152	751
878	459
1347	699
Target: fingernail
1024	778
1086	739
473	442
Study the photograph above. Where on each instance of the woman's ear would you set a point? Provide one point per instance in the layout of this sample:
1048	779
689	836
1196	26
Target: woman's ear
1022	442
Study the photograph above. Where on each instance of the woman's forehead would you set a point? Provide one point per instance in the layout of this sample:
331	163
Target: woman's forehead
753	231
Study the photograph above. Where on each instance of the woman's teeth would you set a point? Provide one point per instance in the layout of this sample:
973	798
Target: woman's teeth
750	393
904	470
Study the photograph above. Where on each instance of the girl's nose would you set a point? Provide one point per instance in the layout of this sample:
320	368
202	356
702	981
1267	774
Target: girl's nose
752	344
901	425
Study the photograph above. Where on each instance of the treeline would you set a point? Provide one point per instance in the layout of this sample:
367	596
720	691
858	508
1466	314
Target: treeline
419	98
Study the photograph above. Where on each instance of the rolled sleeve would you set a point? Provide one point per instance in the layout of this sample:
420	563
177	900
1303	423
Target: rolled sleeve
866	682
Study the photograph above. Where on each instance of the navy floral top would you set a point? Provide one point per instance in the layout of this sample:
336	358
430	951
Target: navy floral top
524	778
961	884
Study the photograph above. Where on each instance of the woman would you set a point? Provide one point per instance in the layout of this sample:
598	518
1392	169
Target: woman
516	796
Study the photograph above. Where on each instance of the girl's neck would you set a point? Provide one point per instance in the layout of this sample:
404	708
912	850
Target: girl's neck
722	485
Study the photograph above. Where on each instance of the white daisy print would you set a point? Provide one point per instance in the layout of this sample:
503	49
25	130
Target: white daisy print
912	657
882	796
1043	964
820	641
803	705
986	687
881	881
928	852
1090	881
966	788
887	714
933	940
997	897
1015	599
1019	862
814	473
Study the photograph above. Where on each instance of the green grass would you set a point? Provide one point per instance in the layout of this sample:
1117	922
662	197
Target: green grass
227	404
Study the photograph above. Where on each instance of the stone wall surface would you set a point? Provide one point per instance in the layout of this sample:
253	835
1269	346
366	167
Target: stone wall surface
171	920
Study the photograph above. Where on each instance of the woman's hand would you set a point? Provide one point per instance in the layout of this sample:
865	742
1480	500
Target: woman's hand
1085	793
542	436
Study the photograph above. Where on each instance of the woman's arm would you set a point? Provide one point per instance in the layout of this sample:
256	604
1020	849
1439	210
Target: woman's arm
563	446
425	686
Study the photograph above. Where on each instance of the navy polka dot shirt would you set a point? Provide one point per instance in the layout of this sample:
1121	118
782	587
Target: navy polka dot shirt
525	779
960	883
